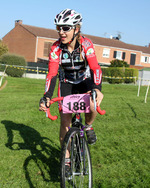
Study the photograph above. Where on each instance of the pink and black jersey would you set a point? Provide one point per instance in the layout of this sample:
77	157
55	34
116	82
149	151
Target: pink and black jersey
73	67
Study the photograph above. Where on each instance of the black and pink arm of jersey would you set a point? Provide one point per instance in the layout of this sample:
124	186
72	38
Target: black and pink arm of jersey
52	74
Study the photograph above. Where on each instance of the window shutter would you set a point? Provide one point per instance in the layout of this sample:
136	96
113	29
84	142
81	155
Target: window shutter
115	54
123	55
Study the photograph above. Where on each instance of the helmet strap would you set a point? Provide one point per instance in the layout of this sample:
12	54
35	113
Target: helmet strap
74	35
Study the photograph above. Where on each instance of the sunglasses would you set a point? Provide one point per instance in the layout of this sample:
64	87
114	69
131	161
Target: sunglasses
64	28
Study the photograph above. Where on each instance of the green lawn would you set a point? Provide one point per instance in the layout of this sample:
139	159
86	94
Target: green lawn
30	148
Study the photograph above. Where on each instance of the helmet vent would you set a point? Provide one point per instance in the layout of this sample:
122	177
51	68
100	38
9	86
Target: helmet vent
66	20
75	22
64	11
78	17
59	18
67	14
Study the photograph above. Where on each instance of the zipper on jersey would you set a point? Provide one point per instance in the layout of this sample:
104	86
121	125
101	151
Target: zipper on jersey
71	54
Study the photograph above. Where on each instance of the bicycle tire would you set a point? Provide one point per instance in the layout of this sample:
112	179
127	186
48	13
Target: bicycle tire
80	174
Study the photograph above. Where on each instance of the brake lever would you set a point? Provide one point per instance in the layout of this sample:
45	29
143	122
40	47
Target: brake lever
94	95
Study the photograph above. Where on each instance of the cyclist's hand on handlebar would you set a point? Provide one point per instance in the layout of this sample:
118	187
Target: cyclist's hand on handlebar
44	104
98	96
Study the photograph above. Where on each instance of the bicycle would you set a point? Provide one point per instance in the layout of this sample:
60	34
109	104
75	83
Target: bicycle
75	142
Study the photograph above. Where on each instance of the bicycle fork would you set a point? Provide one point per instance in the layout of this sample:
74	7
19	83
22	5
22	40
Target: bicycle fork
78	147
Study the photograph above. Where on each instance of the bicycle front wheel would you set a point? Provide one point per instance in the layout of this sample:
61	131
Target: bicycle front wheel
80	168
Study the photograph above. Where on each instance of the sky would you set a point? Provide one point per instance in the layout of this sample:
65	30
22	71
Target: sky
103	18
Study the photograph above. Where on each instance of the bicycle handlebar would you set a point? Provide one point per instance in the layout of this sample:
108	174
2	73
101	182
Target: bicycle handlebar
48	114
101	112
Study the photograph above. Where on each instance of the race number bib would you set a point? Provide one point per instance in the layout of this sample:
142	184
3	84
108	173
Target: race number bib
76	103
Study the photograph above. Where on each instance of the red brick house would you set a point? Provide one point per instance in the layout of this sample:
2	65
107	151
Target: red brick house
34	44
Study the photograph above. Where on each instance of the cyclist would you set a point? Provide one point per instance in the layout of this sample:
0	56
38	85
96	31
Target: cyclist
74	57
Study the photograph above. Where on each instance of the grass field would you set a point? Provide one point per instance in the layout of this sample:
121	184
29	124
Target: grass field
29	144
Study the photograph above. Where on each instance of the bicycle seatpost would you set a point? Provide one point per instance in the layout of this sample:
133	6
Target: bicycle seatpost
94	95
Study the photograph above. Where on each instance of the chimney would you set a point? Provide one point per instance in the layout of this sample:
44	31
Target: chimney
18	22
149	45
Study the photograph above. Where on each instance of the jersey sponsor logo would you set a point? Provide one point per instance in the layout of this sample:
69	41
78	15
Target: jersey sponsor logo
65	56
97	76
77	58
66	61
90	51
53	55
97	73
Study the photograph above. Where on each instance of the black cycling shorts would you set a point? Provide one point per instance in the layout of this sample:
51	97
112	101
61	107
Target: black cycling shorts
82	87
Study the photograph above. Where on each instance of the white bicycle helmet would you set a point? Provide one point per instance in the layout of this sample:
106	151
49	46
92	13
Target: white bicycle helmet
68	17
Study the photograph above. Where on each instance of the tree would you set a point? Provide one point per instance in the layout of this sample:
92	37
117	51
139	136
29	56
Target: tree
3	48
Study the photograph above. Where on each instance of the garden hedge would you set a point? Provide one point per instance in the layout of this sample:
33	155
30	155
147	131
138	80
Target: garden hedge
123	74
14	61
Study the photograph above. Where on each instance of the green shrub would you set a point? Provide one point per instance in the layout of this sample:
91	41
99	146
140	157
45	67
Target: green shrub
2	68
130	72
120	72
15	61
3	48
119	68
116	72
118	63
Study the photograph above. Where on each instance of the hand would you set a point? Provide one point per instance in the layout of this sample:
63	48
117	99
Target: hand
44	104
99	97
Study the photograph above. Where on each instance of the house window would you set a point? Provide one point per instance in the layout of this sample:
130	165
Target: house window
47	47
119	55
106	52
145	59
